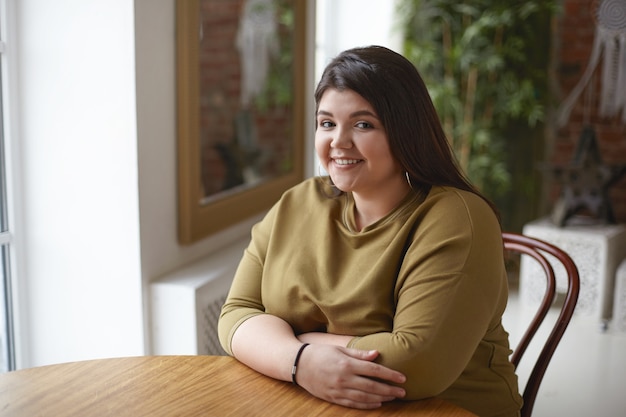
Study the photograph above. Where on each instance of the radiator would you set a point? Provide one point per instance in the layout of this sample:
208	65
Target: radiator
185	305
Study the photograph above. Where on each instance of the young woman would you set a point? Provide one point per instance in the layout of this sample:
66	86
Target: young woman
386	279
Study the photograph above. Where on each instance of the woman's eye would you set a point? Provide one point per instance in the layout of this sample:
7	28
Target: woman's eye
326	124
364	125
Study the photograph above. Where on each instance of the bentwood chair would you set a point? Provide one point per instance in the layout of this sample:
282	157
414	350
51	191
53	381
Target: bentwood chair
537	249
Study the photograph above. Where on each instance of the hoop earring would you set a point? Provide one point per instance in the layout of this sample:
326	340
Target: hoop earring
408	179
327	181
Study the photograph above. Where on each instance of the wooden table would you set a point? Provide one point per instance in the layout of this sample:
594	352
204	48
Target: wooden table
175	386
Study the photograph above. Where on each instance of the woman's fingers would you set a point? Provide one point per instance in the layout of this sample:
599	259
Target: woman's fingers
362	392
348	377
366	367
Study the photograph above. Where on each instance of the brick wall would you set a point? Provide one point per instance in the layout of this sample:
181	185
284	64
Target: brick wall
575	30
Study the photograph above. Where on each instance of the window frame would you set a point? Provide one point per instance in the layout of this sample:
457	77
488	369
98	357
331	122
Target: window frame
9	239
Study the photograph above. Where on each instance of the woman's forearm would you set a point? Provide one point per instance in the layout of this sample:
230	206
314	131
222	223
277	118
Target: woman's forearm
266	344
325	338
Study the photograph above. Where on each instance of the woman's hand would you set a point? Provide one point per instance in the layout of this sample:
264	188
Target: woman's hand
347	377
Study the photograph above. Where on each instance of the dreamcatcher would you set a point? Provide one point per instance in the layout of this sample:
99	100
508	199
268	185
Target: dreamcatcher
610	46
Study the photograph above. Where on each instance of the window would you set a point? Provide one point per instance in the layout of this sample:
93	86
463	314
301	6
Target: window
7	333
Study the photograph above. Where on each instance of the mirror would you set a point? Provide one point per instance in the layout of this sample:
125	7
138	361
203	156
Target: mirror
240	109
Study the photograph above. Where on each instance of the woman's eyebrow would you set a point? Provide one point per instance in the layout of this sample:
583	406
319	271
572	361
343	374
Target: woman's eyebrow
355	114
363	113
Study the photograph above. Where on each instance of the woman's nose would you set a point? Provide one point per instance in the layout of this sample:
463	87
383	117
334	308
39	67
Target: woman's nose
342	139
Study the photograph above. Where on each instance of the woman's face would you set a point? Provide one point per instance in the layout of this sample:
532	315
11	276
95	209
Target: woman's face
352	144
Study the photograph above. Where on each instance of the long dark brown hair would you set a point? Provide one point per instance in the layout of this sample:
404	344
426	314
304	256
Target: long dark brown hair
394	87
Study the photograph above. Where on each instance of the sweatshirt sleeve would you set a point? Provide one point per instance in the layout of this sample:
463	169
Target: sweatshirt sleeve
244	298
449	291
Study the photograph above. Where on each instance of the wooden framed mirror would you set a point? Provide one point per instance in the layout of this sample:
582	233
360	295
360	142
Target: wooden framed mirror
240	109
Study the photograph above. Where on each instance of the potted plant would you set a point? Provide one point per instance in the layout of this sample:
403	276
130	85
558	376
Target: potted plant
486	63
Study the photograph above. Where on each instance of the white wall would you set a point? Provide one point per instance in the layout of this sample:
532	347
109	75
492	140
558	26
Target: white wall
344	24
81	276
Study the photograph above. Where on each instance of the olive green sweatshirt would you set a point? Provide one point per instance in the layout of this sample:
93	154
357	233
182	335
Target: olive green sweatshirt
425	286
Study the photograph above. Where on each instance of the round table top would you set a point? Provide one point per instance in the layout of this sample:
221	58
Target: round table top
175	386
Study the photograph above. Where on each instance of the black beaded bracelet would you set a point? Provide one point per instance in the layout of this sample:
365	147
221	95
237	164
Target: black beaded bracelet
294	368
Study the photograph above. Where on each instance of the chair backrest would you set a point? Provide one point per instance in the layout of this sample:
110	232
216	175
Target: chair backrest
537	249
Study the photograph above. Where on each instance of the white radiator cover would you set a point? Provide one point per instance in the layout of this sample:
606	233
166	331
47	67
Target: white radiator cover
186	304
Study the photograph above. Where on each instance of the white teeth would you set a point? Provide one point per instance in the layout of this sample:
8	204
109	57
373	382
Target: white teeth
346	161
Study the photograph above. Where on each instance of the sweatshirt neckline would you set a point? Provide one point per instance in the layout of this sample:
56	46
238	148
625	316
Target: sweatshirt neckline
403	209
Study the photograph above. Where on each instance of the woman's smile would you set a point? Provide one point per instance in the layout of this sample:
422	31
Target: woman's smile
346	162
